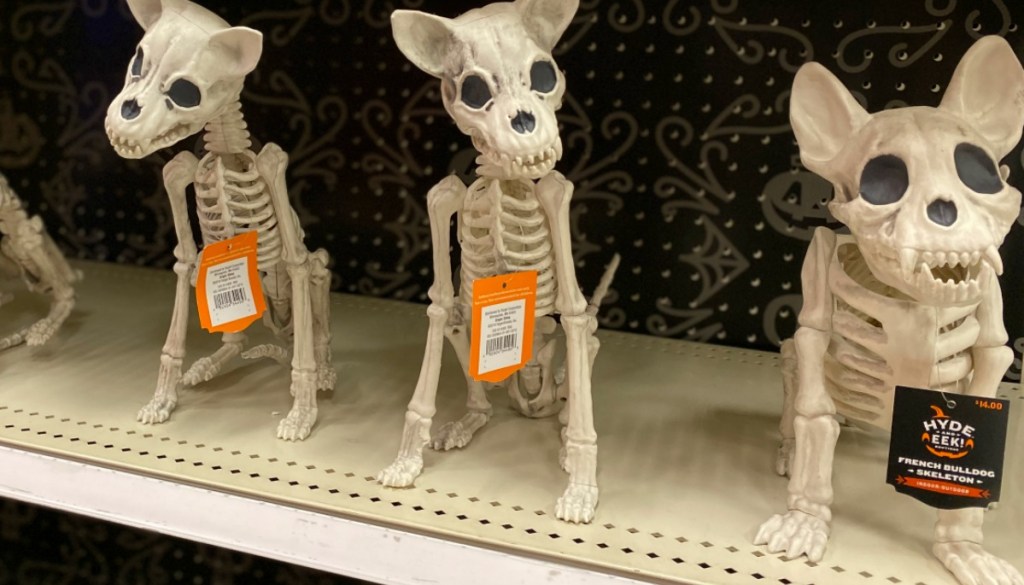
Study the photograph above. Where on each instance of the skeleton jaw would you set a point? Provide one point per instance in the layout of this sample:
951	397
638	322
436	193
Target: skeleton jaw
128	148
533	166
946	277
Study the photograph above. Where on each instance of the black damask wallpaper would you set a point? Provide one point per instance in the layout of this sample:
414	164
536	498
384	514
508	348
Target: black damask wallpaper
675	126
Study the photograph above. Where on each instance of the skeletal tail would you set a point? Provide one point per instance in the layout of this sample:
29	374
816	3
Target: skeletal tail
271	351
602	287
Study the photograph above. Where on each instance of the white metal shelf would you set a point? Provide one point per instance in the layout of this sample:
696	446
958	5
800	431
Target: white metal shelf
687	437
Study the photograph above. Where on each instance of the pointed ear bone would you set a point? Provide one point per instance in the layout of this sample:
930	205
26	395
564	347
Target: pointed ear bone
546	20
242	48
146	12
425	39
824	116
987	90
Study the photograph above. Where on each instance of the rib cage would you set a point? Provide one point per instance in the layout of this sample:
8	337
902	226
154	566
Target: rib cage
859	368
503	229
230	202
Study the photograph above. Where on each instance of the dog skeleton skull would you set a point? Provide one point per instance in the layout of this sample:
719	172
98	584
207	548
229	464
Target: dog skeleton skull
921	192
187	75
910	298
184	73
501	86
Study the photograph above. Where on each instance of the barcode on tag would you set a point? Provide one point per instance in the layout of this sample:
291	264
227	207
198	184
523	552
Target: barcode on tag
501	329
234	296
227	294
503	343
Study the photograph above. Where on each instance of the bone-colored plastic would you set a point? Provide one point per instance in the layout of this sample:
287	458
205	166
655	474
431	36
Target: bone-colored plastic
500	84
27	251
910	297
186	76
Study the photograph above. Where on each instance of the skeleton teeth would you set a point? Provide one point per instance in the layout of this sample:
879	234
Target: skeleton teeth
975	257
928	258
965	258
973	289
908	260
993	258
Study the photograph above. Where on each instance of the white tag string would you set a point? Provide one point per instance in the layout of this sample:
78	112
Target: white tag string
951	404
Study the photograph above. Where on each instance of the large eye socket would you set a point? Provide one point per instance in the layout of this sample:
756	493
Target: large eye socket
543	77
184	93
976	169
137	64
884	180
475	92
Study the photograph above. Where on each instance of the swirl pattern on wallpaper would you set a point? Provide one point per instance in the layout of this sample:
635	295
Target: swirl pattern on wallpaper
675	128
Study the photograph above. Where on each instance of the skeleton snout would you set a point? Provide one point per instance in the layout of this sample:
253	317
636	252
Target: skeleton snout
130	109
524	122
942	212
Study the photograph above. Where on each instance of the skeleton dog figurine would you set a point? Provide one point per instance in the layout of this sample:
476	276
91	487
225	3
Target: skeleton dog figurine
500	84
26	250
911	296
187	74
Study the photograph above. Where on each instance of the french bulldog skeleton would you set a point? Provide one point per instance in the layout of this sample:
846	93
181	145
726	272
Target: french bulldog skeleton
187	75
501	86
26	250
911	296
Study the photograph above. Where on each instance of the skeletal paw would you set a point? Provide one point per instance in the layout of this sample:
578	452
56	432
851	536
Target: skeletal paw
11	341
577	504
795	533
783	456
326	378
457	434
450	436
402	473
203	370
972	565
297	425
157	411
40	333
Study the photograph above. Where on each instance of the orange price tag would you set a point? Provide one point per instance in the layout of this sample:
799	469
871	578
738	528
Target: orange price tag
228	290
503	318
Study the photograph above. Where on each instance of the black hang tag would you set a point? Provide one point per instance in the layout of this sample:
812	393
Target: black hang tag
947	449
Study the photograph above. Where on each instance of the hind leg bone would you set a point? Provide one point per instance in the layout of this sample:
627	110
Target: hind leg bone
457	434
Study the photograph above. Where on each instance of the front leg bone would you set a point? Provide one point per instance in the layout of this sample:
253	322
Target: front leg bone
272	163
580	498
958	533
804	529
789	384
178	174
443	201
326	376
